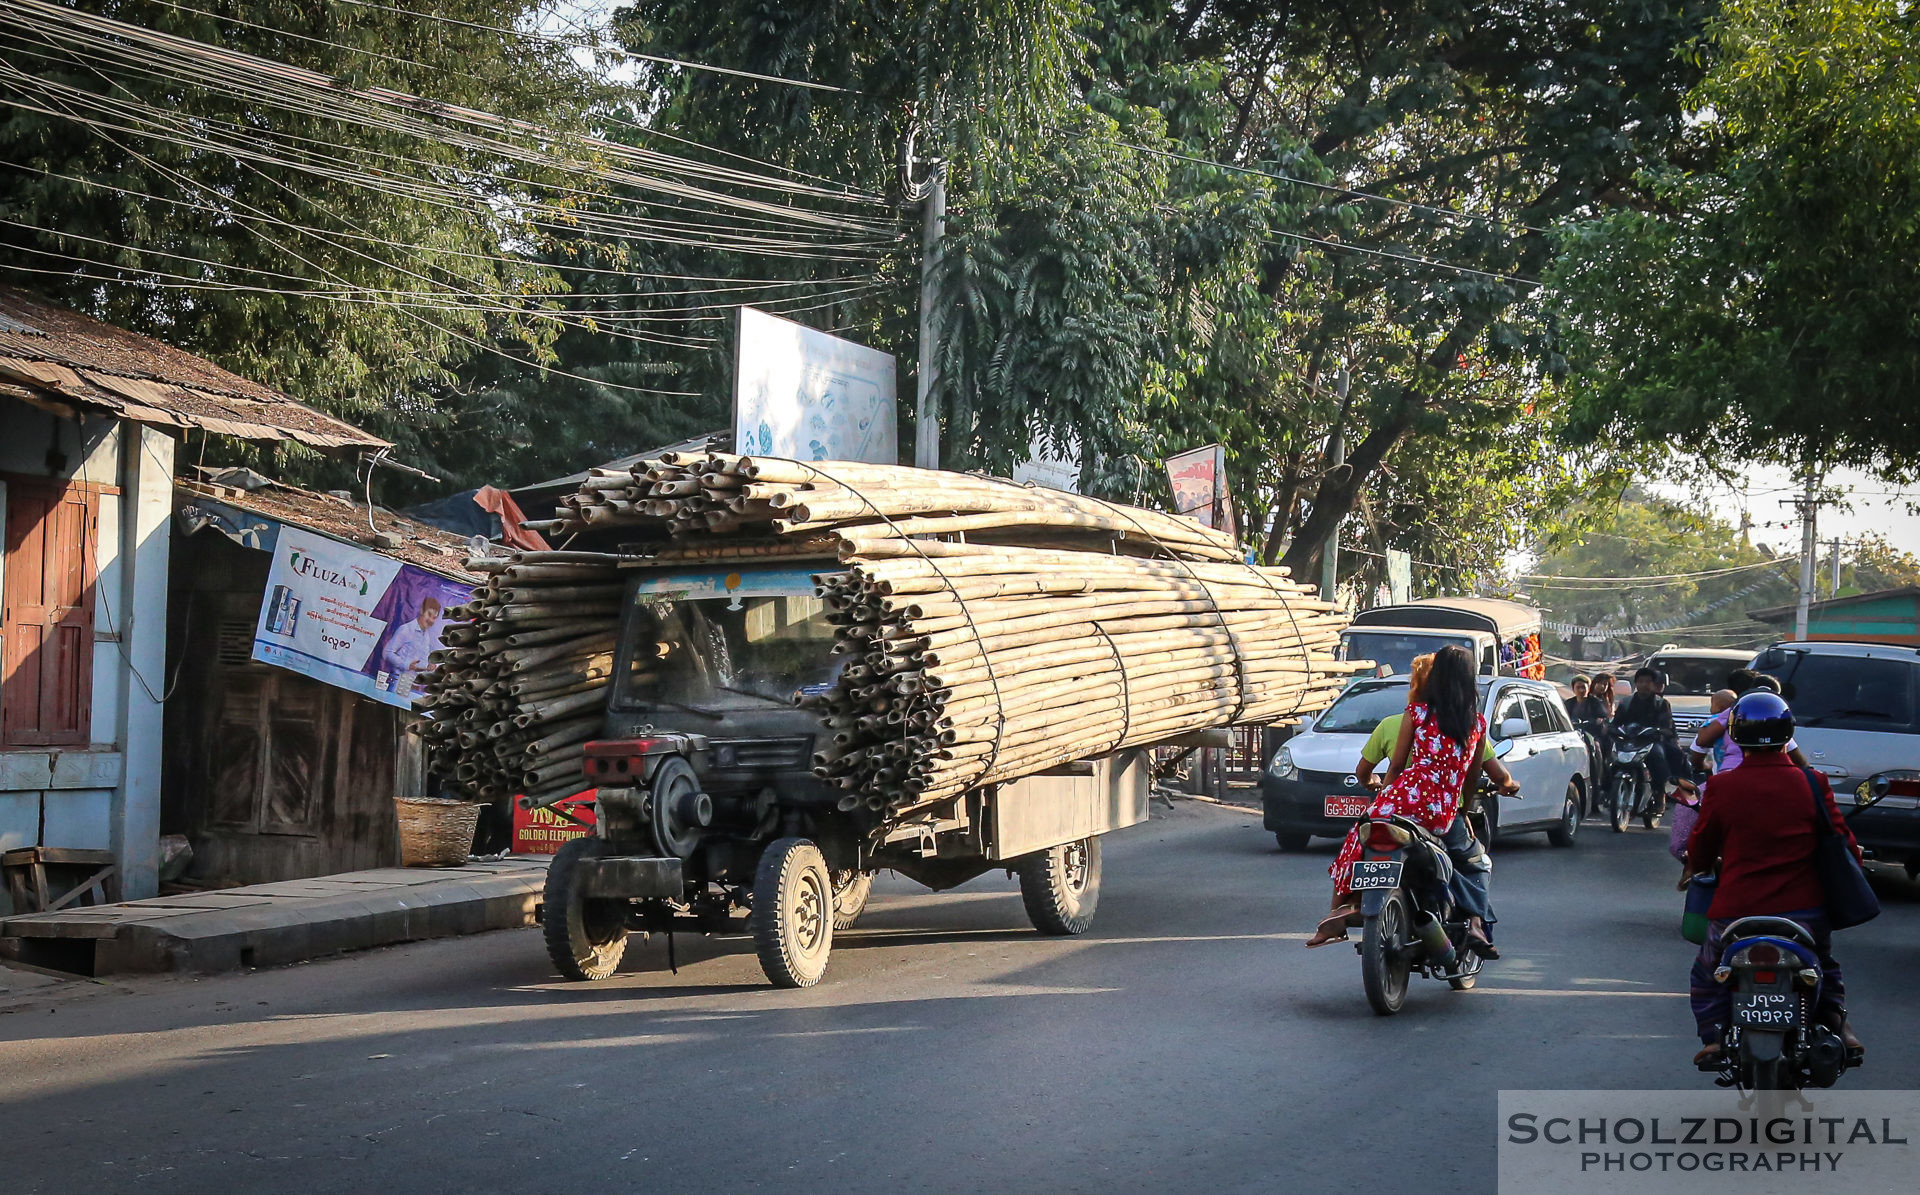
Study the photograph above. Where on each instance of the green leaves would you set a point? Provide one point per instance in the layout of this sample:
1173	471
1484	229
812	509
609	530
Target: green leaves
1764	302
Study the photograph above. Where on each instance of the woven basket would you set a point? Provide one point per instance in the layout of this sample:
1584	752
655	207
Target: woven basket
435	832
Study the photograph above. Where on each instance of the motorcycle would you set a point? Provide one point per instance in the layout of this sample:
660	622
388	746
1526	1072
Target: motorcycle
1772	1042
1630	783
1408	918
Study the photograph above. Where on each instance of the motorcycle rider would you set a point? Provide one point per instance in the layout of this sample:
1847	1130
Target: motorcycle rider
1757	832
1590	716
1472	886
1435	758
1648	708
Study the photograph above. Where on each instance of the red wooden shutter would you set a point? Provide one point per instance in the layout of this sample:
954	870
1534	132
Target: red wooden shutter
47	695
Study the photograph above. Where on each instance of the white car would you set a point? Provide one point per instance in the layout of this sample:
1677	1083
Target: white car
1309	789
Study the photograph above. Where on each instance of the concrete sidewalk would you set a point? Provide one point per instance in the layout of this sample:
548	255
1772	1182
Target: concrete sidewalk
271	924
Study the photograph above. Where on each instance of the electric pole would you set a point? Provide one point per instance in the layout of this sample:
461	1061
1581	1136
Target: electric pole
1808	504
1336	457
1833	590
926	423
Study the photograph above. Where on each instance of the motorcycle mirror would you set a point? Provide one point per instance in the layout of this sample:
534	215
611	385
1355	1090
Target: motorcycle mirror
1503	748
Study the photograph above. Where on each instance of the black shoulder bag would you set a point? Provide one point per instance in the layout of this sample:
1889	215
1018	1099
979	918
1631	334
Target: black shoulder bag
1850	899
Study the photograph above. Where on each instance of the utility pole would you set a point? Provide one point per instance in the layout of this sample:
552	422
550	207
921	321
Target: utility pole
1336	456
1833	590
926	423
1808	504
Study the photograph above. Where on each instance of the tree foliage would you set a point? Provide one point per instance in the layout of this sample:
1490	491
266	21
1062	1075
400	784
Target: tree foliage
278	265
1641	536
1763	300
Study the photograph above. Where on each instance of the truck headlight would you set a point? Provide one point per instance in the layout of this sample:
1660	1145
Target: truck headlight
1283	768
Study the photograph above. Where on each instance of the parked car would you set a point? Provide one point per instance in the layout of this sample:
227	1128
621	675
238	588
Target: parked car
1856	710
1309	789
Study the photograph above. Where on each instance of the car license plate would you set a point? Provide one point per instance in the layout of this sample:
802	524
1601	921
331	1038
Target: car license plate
1767	1010
1347	807
1371	874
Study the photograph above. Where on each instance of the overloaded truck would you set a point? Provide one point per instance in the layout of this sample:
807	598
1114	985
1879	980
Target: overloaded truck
824	670
707	802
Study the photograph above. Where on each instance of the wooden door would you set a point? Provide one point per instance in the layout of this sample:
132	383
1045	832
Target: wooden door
268	760
46	698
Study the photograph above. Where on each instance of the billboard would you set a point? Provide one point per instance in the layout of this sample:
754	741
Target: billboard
351	618
1199	480
809	396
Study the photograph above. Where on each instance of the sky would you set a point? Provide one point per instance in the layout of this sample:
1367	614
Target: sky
1769	493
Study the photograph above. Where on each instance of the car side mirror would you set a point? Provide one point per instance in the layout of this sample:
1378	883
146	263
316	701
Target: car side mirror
1503	748
1515	728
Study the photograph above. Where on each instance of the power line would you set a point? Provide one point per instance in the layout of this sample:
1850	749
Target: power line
1404	257
1665	577
616	51
1333	188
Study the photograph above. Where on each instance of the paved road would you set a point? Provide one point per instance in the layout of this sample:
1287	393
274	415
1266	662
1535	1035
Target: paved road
1188	1043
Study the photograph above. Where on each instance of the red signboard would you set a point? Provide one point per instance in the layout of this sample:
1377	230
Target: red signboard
541	831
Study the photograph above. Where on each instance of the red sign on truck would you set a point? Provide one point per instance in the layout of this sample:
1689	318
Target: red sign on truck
541	831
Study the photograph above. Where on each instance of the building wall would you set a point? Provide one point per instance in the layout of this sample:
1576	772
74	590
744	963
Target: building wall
1888	620
270	774
104	796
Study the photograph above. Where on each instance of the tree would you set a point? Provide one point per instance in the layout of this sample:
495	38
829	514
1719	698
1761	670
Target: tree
319	249
1642	561
1760	300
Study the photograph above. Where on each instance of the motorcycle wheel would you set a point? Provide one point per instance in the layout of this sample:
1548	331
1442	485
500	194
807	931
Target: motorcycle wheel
1385	957
1620	802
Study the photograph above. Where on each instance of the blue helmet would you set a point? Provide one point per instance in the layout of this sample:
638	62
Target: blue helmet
1761	719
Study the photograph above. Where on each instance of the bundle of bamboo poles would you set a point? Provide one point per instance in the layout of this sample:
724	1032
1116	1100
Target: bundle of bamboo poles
973	664
991	630
719	492
520	682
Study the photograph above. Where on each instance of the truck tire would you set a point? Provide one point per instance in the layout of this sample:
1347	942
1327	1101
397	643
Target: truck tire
1061	887
850	892
1291	841
585	938
793	913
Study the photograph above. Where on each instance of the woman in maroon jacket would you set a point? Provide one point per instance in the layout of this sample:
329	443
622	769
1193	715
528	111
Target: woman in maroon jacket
1757	831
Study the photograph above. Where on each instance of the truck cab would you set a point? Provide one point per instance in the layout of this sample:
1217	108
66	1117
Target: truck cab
1503	637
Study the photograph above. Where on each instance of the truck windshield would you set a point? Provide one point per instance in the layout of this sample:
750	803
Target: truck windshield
1396	649
1693	677
720	652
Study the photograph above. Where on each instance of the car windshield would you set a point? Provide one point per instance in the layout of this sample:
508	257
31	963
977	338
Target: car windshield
1847	692
1365	704
1362	707
720	652
1693	677
1396	649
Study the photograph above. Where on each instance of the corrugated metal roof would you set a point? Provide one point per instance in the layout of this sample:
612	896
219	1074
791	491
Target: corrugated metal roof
56	354
431	548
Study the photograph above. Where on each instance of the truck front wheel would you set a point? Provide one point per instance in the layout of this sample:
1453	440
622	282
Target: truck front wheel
585	938
793	912
1061	886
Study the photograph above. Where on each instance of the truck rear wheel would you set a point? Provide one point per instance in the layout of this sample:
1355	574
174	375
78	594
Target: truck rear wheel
850	892
793	913
1061	886
585	938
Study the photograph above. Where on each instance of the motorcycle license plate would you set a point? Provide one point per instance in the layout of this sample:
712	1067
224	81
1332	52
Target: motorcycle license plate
1369	874
1347	807
1767	1010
